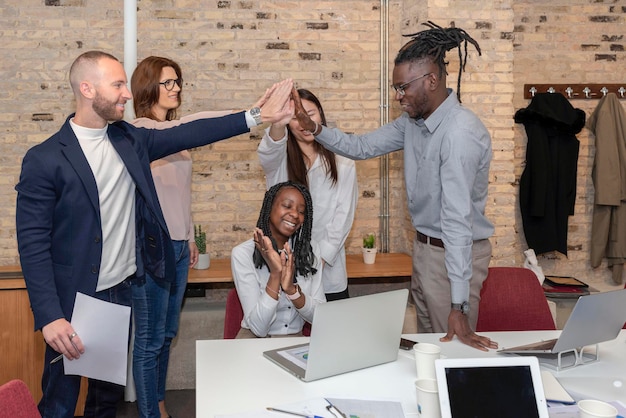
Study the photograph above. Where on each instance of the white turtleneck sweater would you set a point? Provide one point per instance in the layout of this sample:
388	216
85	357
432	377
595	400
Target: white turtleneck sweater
116	192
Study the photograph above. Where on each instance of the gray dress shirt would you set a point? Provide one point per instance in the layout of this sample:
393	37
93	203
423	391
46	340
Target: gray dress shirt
446	169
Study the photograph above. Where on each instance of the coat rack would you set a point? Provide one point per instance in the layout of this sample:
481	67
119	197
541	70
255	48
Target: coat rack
576	91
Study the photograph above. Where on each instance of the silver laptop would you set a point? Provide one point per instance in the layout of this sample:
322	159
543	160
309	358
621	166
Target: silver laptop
491	387
347	334
595	318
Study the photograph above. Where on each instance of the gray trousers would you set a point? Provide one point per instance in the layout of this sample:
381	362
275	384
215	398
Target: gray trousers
430	286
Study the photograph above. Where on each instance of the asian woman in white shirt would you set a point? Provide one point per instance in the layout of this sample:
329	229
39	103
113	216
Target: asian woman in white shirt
288	152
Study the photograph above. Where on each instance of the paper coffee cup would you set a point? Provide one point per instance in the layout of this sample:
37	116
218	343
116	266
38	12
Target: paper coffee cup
425	356
589	408
427	398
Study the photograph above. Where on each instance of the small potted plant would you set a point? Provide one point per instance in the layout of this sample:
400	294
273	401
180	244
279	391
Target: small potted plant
204	260
369	248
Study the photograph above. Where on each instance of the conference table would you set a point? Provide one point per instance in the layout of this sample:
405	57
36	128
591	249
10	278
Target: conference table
233	377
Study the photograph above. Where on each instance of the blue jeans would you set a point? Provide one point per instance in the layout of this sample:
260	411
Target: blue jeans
60	391
156	309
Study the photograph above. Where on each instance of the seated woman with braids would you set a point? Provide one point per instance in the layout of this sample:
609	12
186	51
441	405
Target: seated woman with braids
278	269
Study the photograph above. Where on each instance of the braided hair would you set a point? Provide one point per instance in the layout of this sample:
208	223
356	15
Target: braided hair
434	43
304	259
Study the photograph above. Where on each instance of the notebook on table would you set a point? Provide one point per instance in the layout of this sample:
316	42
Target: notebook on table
595	318
490	387
564	287
347	335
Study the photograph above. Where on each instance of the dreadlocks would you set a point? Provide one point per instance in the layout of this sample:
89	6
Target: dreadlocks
300	240
434	43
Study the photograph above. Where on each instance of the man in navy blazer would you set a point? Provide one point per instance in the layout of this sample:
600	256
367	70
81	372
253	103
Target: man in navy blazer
88	217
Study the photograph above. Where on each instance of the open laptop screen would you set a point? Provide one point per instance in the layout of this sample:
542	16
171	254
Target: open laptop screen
483	388
347	335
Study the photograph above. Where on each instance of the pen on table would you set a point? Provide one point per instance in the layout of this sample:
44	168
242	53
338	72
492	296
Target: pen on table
334	410
292	413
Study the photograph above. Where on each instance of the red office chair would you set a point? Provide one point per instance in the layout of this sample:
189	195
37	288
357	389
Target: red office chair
234	316
16	401
513	300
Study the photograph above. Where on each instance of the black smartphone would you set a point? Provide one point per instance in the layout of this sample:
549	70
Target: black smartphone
406	344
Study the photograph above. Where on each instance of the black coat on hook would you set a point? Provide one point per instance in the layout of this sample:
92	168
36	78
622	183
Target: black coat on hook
548	182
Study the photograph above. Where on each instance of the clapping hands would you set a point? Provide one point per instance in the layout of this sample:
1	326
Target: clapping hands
280	262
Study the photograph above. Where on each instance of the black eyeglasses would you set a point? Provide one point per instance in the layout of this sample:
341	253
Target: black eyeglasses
169	84
400	89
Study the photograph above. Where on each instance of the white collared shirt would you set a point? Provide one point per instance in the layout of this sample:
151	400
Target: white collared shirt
263	314
334	205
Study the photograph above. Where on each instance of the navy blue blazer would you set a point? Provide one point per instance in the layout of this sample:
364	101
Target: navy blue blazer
58	225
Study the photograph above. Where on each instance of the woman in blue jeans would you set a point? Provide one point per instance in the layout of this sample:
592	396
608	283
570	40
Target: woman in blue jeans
156	85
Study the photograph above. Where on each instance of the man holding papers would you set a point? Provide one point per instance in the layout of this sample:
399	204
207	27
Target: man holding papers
88	217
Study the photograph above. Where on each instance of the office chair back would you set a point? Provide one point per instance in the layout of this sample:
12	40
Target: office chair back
234	315
512	299
16	401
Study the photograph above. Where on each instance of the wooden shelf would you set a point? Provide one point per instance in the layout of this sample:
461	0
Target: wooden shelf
394	266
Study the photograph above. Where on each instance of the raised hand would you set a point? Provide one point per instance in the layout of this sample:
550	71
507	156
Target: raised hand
286	277
304	119
270	255
278	129
276	103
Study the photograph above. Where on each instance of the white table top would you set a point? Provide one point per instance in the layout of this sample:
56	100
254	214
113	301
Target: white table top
233	376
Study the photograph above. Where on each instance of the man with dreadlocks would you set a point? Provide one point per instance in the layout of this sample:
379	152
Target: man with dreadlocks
278	269
447	151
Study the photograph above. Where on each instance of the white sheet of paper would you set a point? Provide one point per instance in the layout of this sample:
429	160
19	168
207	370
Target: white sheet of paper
361	408
553	389
103	328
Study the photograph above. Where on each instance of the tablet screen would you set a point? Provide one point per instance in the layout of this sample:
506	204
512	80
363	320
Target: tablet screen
491	390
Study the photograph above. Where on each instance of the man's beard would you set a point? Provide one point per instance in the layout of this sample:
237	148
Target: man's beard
105	109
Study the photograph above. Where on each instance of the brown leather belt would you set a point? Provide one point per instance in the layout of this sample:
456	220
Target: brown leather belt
429	240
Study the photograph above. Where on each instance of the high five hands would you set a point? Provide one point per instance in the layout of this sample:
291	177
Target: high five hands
276	103
300	113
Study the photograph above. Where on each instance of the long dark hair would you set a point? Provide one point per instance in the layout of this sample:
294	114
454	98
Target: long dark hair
296	166
304	259
144	85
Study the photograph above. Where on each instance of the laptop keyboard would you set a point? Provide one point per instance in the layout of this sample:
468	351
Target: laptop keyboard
541	345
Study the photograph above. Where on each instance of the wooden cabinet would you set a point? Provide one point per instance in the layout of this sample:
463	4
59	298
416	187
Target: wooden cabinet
22	349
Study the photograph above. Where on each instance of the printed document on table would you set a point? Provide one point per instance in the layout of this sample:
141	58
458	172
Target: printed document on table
103	328
359	408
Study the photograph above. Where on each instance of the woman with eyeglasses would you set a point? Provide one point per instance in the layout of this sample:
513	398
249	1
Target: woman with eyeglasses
156	86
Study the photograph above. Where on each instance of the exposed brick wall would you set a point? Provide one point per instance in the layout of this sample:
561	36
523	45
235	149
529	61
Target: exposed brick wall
231	51
568	42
